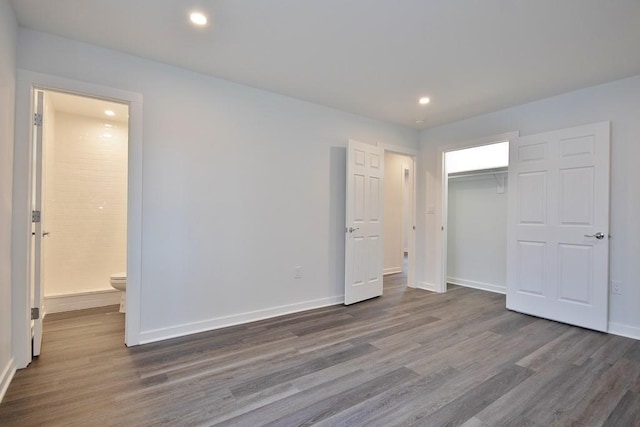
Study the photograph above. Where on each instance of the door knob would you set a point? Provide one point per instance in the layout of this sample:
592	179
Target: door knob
598	235
351	229
45	233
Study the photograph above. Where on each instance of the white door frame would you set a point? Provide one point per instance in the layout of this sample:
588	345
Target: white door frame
36	282
26	83
442	184
411	261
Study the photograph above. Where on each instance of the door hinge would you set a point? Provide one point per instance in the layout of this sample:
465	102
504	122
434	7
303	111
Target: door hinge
35	216
35	313
37	119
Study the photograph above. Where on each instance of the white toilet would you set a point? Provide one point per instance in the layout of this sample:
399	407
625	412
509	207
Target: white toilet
119	282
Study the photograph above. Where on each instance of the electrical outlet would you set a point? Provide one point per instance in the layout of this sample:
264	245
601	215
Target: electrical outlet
297	272
616	287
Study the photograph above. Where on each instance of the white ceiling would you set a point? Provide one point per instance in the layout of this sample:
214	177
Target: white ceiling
372	57
88	107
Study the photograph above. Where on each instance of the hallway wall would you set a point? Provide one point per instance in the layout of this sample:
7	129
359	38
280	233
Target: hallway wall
394	210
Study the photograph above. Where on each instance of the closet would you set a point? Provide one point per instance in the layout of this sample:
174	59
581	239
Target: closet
477	219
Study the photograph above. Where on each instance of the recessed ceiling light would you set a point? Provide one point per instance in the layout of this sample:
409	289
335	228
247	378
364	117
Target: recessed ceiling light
424	100
108	125
198	18
109	113
419	121
106	135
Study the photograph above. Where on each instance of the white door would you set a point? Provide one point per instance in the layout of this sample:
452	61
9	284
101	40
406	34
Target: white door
558	227
363	240
38	231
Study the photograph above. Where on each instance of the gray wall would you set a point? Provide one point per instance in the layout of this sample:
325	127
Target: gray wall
8	33
477	233
239	187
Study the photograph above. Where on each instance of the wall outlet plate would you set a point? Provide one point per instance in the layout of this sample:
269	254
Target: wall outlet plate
616	287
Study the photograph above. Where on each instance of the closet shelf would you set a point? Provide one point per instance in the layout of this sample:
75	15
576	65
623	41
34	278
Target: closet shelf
467	174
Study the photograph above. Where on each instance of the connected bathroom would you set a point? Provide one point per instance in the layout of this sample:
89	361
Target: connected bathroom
83	196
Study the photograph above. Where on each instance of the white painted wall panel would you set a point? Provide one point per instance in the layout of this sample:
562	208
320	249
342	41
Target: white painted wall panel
240	185
8	34
394	210
477	235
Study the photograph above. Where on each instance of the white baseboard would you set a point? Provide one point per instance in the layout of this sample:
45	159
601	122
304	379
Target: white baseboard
236	319
624	330
391	270
477	285
6	376
427	286
81	300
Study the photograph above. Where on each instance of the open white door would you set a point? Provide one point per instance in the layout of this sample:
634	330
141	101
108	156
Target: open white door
363	240
558	226
38	232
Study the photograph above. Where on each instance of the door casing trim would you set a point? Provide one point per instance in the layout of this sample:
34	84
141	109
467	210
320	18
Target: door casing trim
26	83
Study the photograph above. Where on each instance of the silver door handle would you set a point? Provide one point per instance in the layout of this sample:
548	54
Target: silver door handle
598	235
351	229
45	233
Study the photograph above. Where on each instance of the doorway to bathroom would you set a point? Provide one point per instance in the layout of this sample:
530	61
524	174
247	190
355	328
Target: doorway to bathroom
27	299
79	198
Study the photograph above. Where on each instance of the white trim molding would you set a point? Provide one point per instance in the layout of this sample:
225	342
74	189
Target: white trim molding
235	319
26	82
81	300
391	270
442	199
6	376
623	330
477	285
425	286
400	149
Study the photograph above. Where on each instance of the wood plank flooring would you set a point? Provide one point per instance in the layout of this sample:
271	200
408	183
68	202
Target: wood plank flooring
410	357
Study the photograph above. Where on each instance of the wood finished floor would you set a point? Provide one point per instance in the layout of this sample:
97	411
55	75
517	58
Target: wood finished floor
410	357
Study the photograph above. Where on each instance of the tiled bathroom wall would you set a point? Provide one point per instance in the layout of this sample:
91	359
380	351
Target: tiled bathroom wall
85	203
